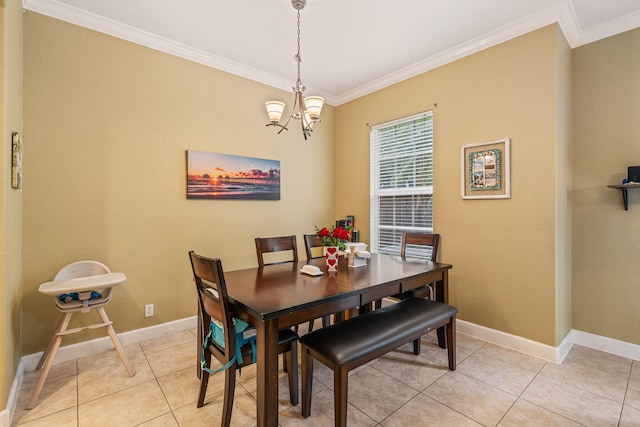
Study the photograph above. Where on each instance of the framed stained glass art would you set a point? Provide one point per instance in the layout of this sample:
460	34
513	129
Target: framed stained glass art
485	170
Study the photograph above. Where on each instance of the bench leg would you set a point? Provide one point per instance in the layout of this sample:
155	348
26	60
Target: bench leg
340	387
442	341
451	342
307	381
416	346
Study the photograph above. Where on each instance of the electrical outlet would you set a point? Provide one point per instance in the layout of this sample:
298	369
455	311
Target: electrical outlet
148	310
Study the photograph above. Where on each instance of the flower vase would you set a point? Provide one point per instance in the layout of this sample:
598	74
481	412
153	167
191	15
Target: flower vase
331	257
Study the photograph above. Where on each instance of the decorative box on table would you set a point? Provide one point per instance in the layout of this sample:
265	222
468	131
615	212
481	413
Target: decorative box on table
357	254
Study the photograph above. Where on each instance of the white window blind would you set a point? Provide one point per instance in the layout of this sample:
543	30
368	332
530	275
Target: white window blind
401	181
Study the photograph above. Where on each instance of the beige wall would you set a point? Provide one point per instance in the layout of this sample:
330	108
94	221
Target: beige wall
503	251
11	212
606	140
108	123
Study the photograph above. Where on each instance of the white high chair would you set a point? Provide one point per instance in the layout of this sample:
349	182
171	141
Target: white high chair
82	277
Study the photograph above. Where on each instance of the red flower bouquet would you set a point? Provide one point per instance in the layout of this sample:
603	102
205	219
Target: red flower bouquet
335	236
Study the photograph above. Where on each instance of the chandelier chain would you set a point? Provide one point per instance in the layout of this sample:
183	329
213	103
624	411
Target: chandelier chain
306	110
298	58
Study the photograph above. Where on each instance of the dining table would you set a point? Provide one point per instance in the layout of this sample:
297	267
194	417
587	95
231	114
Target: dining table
279	296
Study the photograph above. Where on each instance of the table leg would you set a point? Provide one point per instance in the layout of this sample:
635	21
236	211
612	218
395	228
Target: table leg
267	376
442	295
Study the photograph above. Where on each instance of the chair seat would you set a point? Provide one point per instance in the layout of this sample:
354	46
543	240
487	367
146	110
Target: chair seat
78	304
287	336
421	292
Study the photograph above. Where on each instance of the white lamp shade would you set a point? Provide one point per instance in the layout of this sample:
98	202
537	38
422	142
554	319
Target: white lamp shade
313	105
274	109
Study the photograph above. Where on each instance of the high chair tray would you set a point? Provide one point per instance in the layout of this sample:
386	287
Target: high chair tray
81	284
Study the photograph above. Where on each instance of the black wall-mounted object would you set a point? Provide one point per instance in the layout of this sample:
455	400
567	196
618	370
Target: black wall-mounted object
634	174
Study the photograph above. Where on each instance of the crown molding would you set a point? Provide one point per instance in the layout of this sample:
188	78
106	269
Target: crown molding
563	14
73	15
568	22
493	38
609	28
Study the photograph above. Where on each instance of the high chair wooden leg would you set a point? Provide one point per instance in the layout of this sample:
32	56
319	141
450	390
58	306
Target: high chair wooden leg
65	317
116	341
47	358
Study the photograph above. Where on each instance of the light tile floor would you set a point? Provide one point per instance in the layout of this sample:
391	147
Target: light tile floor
492	386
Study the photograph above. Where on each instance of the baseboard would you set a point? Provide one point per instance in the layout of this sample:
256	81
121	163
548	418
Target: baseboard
5	418
609	345
514	342
6	415
99	345
547	352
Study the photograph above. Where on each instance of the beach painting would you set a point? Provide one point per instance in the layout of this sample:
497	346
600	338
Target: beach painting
223	176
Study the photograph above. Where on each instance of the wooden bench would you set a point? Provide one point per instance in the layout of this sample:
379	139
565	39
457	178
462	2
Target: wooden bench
356	341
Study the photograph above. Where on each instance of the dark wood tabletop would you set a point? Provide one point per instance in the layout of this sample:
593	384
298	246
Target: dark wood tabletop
279	296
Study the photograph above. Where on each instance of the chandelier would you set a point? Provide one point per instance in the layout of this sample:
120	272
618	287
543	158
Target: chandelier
307	110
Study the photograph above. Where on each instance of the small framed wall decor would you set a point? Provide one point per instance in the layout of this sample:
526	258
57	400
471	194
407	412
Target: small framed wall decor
16	160
485	170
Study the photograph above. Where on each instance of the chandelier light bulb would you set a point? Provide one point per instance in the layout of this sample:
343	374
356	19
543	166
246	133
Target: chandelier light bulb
275	110
313	105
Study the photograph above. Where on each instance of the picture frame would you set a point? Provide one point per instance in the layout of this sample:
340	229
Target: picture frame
486	170
16	161
225	176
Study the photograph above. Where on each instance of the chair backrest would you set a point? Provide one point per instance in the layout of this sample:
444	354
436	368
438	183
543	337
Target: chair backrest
213	303
81	269
411	240
312	241
276	244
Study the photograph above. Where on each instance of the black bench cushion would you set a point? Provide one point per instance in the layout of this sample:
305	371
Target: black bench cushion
395	324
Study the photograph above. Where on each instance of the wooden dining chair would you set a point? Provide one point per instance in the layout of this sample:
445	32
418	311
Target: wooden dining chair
311	242
266	245
214	304
269	245
417	245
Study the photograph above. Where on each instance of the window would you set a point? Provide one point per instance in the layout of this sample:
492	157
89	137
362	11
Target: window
401	181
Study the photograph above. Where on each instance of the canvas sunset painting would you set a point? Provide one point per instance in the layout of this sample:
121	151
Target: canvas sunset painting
223	176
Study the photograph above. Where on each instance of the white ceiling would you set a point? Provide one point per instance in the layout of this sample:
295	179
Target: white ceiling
349	47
